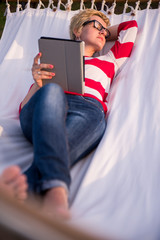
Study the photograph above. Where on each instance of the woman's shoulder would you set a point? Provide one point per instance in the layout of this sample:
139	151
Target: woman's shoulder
127	25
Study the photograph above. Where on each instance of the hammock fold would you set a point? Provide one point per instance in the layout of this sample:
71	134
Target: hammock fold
115	190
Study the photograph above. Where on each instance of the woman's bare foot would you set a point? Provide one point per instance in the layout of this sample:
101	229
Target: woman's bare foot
56	203
13	183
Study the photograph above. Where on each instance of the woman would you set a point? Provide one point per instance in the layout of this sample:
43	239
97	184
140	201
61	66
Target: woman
64	127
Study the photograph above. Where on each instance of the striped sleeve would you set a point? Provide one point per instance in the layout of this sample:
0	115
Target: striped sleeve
122	48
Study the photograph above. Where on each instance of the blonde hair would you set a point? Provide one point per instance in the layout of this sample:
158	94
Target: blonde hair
83	16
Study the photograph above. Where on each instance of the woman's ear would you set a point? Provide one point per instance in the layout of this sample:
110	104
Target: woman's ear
77	34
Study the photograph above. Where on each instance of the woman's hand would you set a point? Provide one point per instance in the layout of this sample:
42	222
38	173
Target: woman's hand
114	33
39	74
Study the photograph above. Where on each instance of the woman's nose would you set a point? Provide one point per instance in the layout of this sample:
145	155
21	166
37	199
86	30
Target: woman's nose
103	31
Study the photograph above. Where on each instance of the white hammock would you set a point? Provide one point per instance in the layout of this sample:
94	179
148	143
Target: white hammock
120	193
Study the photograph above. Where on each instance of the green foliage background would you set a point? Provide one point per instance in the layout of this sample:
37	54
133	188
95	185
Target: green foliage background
2	18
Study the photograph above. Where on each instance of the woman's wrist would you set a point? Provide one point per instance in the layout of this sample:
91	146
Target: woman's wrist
36	87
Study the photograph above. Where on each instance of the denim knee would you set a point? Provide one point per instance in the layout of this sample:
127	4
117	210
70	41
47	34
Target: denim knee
52	90
52	99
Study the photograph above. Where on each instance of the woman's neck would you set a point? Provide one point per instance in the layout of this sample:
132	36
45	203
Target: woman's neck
89	51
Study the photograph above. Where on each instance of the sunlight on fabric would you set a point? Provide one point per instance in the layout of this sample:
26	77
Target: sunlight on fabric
1	130
16	52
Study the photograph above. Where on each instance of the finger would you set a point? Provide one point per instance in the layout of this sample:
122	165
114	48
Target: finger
35	69
37	74
46	75
37	57
47	66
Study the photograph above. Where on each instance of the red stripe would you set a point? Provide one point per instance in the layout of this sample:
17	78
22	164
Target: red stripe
105	96
105	66
20	108
95	85
121	50
127	25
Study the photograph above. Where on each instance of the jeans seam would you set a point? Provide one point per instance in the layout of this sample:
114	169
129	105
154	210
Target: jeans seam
94	104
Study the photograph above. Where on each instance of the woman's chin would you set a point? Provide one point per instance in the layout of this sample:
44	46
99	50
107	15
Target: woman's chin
99	48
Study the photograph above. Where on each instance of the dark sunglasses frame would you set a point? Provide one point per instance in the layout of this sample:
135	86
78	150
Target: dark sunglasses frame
94	21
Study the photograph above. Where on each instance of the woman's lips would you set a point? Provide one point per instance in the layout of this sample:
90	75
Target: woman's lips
101	38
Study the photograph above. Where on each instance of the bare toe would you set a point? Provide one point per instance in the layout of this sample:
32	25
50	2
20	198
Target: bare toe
21	187
10	174
14	182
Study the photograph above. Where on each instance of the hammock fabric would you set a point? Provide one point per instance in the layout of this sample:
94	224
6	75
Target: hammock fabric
116	190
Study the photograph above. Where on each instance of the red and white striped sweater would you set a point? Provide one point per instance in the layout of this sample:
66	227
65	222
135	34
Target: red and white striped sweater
100	71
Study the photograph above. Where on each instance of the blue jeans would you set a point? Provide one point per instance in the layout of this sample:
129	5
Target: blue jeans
63	128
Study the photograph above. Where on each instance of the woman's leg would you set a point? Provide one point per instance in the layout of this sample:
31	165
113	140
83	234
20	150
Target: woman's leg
13	183
85	126
43	123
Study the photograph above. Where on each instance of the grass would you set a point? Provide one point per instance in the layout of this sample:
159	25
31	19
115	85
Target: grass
2	17
118	9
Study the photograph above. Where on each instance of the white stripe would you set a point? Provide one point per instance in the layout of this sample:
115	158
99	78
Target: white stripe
88	58
118	62
93	92
108	87
121	61
107	58
128	35
96	74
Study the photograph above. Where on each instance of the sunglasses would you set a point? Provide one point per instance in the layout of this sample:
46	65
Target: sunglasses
98	26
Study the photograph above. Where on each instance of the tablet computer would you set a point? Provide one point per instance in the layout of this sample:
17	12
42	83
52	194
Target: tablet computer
67	56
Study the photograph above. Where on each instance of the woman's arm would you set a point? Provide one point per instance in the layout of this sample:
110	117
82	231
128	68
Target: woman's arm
33	89
114	33
122	48
38	75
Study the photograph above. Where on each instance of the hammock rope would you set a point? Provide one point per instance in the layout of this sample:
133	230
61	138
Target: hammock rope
111	10
68	6
7	11
149	4
40	4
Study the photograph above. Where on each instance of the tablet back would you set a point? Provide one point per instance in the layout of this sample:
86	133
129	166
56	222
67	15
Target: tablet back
67	56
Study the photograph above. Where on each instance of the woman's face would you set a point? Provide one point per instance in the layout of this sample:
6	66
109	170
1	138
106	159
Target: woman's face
93	38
